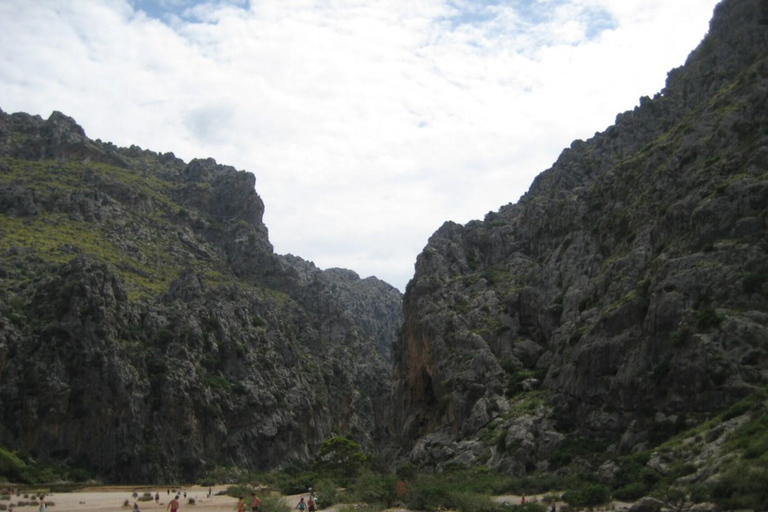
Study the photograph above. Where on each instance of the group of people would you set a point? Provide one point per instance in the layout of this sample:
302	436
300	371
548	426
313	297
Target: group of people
310	504
255	503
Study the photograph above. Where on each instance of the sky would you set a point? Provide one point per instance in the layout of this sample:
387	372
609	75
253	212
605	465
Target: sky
367	123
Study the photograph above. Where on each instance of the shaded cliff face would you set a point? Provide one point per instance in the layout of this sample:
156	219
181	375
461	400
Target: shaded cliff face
148	332
626	292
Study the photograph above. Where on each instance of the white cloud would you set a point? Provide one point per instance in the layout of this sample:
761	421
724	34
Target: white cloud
367	124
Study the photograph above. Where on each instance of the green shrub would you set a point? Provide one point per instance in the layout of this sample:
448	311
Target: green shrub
370	487
575	447
341	457
587	495
631	492
700	493
274	504
742	488
327	493
218	383
11	466
368	507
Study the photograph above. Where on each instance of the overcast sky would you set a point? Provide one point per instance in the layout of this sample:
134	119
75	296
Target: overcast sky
367	123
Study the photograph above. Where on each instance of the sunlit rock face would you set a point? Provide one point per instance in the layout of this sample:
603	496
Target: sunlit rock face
626	294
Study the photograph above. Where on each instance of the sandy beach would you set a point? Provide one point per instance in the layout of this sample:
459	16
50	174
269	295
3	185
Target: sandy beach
111	499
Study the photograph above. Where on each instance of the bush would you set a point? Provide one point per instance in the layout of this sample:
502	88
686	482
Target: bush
587	495
370	487
700	493
340	457
238	491
274	504
367	507
631	492
11	466
742	487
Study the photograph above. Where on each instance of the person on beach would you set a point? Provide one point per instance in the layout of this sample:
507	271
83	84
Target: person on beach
255	502
302	504
311	503
136	507
43	506
241	504
157	497
173	506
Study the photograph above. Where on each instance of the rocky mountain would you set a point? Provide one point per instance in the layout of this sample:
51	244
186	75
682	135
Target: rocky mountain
148	331
624	298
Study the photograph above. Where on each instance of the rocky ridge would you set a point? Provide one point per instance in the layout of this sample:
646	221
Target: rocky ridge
623	298
148	331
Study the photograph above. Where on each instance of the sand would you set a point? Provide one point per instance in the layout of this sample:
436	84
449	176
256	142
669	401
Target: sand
111	499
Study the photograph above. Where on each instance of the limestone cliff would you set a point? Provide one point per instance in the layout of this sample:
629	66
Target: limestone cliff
625	294
148	332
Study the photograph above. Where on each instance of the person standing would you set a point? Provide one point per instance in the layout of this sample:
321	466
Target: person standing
302	505
255	502
241	504
173	506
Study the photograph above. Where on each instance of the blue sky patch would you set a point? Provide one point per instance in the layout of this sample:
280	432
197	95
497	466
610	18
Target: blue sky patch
530	12
164	9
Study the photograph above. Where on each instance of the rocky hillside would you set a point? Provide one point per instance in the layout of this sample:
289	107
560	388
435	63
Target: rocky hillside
624	298
148	332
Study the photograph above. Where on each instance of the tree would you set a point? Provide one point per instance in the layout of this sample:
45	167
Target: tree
340	456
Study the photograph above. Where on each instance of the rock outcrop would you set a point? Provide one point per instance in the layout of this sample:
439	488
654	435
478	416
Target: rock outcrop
148	332
624	295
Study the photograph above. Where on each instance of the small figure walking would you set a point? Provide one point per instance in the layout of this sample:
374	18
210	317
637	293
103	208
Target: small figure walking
241	505
311	503
157	498
302	505
552	507
522	501
43	506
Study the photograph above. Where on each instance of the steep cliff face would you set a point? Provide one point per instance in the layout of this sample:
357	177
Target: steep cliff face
148	332
624	294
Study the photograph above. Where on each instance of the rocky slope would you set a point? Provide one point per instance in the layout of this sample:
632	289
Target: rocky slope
148	332
622	299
